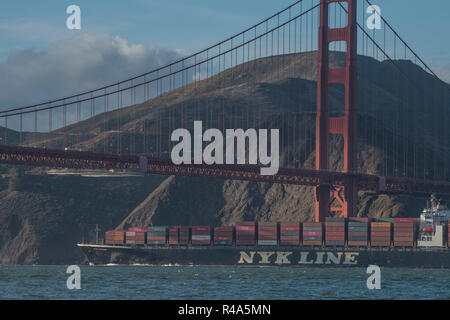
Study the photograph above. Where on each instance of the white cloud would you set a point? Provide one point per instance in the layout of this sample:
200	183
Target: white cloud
71	66
443	72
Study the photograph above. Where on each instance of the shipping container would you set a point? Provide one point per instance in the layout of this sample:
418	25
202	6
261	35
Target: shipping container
201	235
404	232
410	220
223	236
380	243
403	243
352	243
157	235
335	232
312	242
381	224
115	237
267	242
174	236
185	235
289	234
245	233
135	238
312	234
335	243
381	233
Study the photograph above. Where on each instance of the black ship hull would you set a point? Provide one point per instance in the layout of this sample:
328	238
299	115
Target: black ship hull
268	256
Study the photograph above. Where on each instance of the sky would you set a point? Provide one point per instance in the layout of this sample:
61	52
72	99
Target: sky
137	35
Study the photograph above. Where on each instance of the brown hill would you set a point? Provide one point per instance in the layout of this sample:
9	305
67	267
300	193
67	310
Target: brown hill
43	217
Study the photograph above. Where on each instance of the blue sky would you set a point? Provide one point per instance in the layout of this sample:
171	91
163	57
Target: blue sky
191	25
29	27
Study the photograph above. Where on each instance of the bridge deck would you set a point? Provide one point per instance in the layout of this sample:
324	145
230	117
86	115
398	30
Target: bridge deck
91	160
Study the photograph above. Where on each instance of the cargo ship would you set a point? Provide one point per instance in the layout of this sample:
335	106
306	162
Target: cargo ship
338	242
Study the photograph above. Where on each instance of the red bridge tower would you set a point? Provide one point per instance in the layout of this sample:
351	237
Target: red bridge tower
346	196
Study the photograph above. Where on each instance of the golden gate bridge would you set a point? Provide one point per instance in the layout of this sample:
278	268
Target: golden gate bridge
313	70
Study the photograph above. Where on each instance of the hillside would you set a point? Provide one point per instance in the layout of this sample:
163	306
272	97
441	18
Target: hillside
42	217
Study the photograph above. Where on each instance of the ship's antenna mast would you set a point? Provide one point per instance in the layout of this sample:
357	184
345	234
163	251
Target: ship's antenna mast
96	233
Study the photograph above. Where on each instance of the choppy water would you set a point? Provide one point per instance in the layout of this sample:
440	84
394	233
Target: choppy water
145	282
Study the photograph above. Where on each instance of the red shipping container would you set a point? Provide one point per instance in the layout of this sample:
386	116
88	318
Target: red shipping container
404	244
312	243
380	238
357	243
290	224
201	229
358	233
403	234
283	228
334	224
135	229
380	243
405	220
312	224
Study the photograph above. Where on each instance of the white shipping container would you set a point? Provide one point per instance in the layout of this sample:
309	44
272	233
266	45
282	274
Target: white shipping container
267	242
201	237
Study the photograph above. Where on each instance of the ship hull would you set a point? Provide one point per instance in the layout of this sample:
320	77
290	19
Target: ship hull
268	256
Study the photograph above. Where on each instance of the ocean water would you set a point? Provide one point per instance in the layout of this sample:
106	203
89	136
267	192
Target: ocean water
218	283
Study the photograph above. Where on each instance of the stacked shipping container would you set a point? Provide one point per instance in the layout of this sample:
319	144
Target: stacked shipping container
201	236
184	235
380	234
115	237
399	232
267	233
174	236
223	236
312	233
135	237
245	233
334	232
156	235
404	232
358	231
289	233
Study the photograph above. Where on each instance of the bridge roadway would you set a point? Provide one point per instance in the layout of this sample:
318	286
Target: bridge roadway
56	158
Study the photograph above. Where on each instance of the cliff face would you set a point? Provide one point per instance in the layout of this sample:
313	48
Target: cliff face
43	217
199	201
202	201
